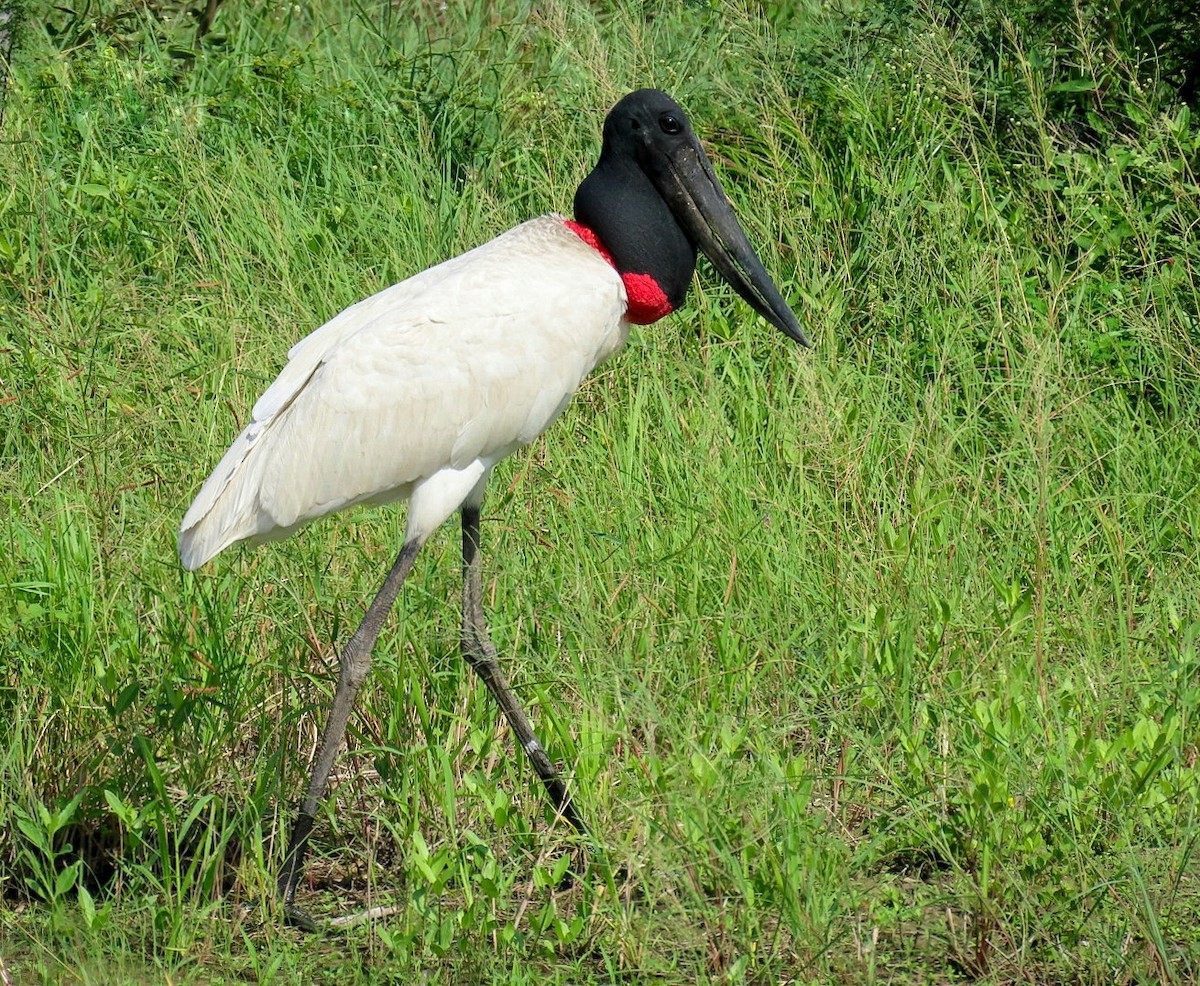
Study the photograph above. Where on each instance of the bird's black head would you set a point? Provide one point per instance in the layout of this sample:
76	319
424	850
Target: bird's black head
647	126
653	199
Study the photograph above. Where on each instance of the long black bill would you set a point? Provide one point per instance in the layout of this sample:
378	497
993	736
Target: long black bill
690	187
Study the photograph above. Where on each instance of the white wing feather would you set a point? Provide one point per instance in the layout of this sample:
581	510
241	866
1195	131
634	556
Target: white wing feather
459	365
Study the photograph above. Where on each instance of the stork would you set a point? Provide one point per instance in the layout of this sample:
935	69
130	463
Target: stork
418	391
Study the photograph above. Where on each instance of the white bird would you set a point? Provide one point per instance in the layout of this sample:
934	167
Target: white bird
418	391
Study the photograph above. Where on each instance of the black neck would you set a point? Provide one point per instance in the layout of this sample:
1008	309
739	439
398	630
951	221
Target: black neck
622	206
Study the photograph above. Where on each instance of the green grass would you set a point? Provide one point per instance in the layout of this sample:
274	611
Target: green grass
875	663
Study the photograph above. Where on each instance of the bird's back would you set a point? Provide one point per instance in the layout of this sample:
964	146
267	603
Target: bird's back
462	363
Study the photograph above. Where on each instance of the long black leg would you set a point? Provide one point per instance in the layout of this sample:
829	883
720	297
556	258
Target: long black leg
480	653
355	662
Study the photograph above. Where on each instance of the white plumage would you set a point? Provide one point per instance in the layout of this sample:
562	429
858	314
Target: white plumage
417	391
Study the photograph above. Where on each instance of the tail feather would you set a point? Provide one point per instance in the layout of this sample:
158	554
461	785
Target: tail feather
225	510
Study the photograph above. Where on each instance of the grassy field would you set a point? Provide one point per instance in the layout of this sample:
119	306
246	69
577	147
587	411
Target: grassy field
874	663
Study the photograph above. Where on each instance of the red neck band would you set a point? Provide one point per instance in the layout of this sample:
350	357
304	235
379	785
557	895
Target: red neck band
647	301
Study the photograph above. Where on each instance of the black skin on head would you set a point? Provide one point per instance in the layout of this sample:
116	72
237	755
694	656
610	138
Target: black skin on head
620	202
654	200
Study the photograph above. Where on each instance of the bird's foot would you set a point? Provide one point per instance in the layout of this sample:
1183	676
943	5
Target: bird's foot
299	918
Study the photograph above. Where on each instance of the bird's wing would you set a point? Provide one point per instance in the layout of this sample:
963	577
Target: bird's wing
463	363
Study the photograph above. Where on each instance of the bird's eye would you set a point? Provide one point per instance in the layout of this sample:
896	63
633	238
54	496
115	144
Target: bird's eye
670	123
634	124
